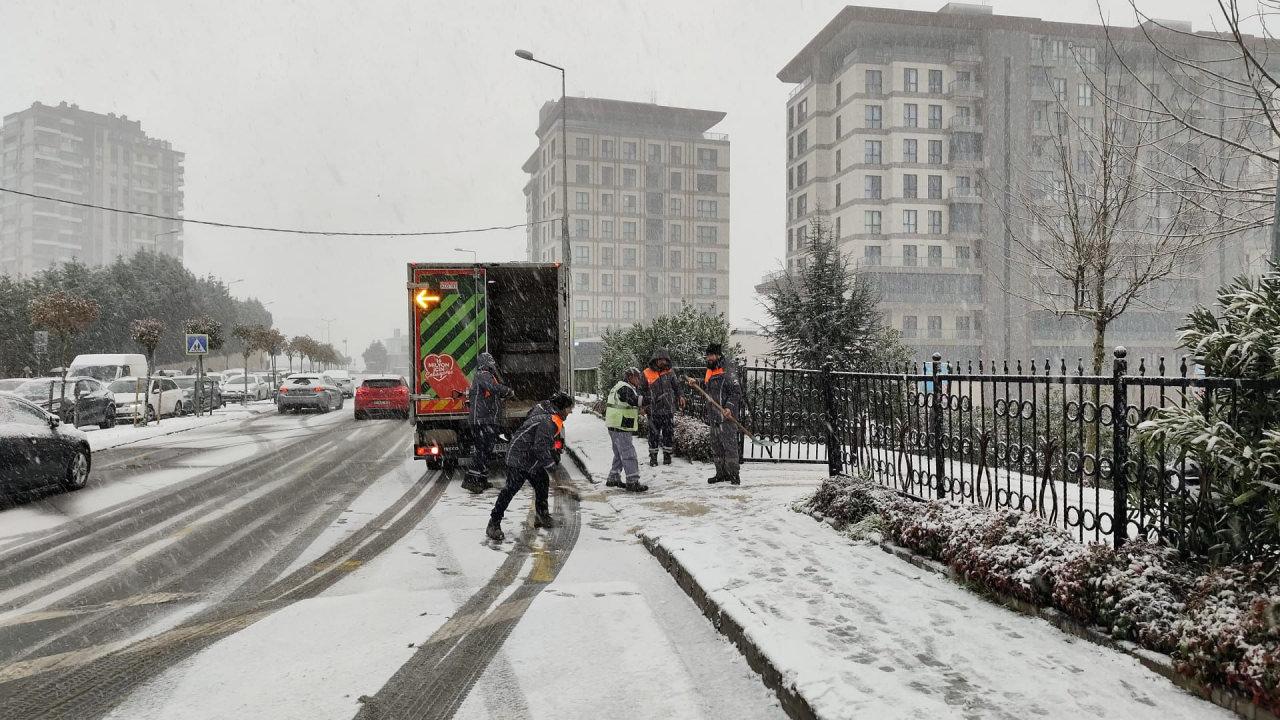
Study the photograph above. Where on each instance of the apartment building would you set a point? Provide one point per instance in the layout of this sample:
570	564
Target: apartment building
648	194
69	153
896	120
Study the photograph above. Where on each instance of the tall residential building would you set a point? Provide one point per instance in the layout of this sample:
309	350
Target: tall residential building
648	209
73	154
896	120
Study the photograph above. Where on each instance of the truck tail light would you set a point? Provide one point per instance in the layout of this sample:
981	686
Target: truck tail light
559	444
426	450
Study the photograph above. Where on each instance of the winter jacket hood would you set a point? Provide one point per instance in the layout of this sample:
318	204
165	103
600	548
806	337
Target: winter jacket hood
486	392
659	354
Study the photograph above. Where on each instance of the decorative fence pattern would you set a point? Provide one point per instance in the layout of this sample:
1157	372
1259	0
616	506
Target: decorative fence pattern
1040	438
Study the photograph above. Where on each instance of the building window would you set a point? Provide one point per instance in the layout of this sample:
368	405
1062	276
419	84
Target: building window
677	155
708	158
628	177
962	327
628	151
676	261
707	209
935	187
909	221
606	175
606	229
629	260
909	255
791	179
584	147
707	234
1060	89
606	309
908	326
581	228
802	173
935	117
582	308
935	326
652	284
935	222
582	201
581	281
629	233
871	256
935	152
581	254
606	148
706	286
606	259
676	285
653	203
582	174
838	132
911	115
802	111
872	189
802	142
962	256
871	224
839	93
838	163
802	207
629	203
911	79
874	82
677	181
677	233
606	202
875	116
791	147
909	188
838	200
871	152
629	306
707	183
935	82
838	233
909	154
705	260
655	153
1084	95
935	256
677	205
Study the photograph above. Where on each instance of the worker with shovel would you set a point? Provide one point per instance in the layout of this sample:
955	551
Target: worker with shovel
720	385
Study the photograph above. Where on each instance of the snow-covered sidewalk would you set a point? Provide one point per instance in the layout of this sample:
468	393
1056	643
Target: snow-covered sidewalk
126	433
856	632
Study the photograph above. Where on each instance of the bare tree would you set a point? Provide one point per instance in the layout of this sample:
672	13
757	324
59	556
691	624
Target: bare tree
1095	229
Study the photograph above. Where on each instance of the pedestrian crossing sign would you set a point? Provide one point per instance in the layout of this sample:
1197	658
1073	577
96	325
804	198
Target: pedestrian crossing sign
197	344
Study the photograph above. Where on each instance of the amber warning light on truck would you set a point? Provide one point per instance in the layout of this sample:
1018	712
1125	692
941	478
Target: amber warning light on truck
426	299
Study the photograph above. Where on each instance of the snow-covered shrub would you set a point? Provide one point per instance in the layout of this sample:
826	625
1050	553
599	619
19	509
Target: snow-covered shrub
692	438
1137	593
1012	553
1230	635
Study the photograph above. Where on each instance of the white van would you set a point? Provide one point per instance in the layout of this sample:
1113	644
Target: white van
109	367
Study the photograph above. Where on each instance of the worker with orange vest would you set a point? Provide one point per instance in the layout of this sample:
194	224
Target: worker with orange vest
721	384
485	397
531	458
663	395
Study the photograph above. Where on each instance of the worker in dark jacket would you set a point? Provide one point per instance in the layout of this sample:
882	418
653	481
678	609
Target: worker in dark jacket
663	395
622	417
530	458
485	397
721	385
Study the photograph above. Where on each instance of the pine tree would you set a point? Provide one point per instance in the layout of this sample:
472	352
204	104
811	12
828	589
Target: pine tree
826	312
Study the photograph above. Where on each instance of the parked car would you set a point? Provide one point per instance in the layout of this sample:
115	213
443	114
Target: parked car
245	387
37	450
108	367
382	395
309	390
79	401
163	399
210	394
344	381
11	384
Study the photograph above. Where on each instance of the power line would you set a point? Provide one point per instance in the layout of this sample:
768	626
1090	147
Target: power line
292	231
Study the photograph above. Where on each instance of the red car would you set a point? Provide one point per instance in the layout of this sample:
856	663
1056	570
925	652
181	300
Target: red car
382	395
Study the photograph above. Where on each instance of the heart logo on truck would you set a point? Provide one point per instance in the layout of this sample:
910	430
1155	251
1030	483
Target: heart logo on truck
438	367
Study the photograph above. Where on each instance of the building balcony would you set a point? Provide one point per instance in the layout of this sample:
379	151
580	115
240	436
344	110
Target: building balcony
965	194
969	55
1042	92
967	162
925	336
965	123
916	263
965	89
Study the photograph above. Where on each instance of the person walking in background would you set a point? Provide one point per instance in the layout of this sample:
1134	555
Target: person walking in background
485	397
721	385
662	395
622	417
531	458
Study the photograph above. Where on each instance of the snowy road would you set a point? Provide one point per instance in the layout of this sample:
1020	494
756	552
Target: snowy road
302	567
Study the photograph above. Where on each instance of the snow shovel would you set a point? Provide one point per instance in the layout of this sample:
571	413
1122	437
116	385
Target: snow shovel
745	431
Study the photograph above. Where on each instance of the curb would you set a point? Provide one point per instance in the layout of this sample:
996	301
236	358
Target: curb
1158	663
793	703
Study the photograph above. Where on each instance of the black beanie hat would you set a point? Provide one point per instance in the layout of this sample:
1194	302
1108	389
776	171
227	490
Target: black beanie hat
713	349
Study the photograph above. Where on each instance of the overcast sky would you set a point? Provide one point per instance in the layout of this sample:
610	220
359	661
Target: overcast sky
415	115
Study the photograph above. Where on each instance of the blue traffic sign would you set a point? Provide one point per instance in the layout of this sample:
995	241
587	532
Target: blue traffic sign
197	344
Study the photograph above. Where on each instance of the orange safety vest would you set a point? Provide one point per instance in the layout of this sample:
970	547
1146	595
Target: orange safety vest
712	373
651	376
559	421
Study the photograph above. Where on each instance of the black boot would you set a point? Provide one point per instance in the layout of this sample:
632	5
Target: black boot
614	482
633	485
653	458
494	531
734	479
666	457
543	519
720	475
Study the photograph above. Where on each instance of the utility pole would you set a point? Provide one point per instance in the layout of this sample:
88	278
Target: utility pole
1275	222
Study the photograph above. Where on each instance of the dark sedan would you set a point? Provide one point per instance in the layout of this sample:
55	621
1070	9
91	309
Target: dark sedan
210	394
86	400
37	450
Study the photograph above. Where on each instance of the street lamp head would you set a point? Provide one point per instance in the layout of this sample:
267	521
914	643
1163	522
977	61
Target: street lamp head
524	54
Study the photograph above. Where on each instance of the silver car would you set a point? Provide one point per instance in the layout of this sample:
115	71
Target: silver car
316	391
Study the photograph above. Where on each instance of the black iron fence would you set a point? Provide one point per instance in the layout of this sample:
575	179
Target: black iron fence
1038	437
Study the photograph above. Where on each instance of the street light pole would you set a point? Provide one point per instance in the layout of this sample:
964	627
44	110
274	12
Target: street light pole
565	250
474	256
